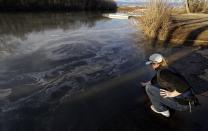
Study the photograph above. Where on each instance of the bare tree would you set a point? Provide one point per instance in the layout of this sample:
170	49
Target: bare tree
195	6
187	6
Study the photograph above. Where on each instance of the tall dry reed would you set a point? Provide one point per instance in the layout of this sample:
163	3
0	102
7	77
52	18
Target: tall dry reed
156	20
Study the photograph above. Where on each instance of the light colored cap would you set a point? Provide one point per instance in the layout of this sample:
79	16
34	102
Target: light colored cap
155	58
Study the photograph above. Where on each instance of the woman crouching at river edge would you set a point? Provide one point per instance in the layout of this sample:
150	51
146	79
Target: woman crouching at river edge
168	89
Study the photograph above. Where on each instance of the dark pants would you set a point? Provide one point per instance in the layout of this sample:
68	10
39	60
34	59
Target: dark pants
161	103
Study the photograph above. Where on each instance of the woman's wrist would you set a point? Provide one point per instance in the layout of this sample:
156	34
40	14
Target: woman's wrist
173	94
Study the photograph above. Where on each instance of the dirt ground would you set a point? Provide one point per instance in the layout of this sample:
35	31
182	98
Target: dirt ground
189	29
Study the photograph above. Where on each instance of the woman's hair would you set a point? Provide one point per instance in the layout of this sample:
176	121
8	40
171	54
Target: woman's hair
164	63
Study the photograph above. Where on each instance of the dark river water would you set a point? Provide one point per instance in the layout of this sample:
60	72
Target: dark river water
67	71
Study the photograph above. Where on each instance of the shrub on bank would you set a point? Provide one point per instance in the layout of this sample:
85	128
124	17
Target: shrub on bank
33	5
156	20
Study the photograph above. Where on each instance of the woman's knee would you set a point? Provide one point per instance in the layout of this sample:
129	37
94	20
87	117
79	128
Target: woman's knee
150	89
147	88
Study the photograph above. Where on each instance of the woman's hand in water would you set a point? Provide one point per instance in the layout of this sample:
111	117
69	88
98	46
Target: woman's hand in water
165	93
145	83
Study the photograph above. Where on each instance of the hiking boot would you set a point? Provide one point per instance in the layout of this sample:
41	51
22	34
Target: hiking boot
164	113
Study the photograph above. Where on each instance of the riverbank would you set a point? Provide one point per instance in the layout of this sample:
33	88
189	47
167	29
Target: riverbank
131	9
185	29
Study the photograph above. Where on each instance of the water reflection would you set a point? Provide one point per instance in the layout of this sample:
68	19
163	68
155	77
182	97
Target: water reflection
19	24
48	59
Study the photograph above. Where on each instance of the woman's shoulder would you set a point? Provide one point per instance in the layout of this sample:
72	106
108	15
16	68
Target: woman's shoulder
167	73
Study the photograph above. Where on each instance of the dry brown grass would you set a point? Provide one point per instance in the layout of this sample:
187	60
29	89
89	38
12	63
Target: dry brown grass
179	10
127	9
156	20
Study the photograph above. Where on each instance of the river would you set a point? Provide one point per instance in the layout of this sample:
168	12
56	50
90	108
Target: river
67	71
